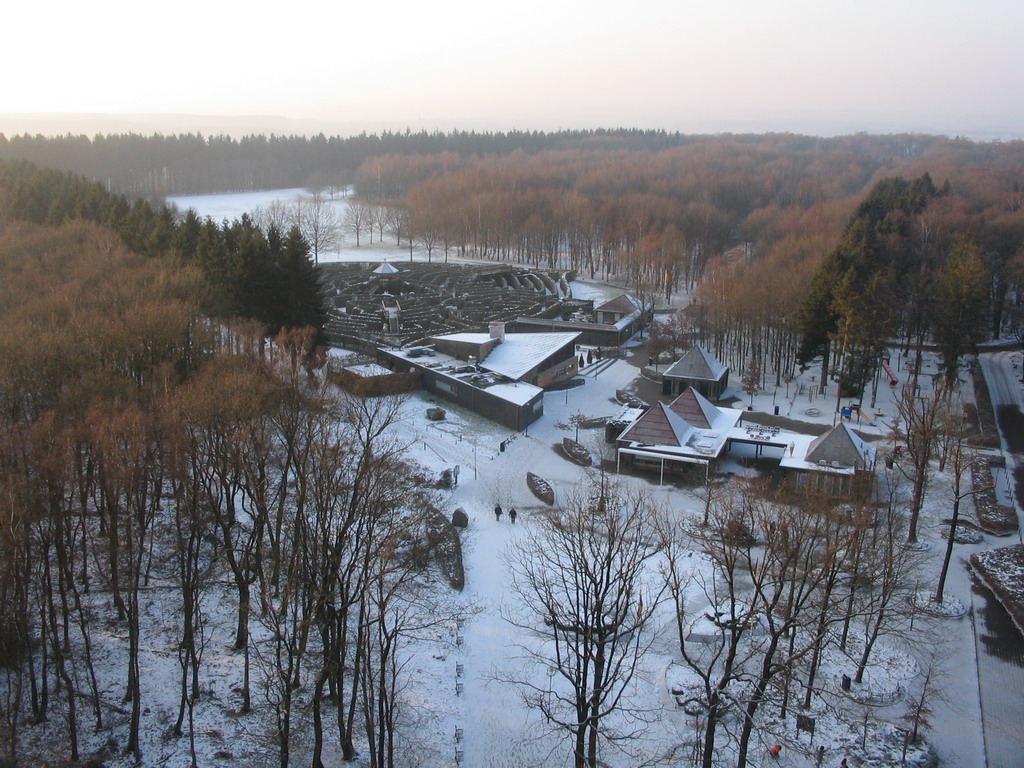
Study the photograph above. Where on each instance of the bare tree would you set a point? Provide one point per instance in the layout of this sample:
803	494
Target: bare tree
129	484
751	378
284	616
357	480
771	590
792	577
887	568
319	224
718	663
920	705
960	459
357	220
191	520
277	214
398	607
918	425
381	216
220	407
580	583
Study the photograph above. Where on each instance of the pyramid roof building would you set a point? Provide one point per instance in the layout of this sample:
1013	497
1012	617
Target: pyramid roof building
840	447
687	429
658	426
697	363
386	269
696	409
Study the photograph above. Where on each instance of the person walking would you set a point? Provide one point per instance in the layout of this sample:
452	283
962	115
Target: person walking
512	515
497	512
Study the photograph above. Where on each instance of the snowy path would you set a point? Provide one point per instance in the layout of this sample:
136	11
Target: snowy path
1000	647
1000	680
497	730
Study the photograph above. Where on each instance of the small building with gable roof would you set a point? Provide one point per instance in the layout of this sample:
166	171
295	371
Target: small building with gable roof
836	463
617	309
699	369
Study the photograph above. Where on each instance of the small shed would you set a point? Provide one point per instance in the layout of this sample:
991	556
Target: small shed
838	463
615	310
699	369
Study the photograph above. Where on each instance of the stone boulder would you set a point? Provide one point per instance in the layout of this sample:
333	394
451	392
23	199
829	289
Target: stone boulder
446	548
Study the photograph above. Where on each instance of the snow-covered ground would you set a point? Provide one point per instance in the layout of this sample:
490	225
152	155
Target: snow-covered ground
490	720
232	205
455	682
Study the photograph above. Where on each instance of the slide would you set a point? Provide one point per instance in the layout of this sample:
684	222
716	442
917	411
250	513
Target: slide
888	371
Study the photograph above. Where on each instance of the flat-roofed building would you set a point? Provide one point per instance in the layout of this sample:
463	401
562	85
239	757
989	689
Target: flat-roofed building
497	375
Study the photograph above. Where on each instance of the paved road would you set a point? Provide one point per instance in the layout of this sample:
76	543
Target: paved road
1000	680
1000	646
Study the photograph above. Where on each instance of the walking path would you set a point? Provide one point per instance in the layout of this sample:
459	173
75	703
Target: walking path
1000	647
1000	650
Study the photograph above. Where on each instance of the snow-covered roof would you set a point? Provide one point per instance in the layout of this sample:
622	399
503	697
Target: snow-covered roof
518	353
697	363
386	269
688	426
839	450
627	415
445	366
840	445
368	369
622	303
516	392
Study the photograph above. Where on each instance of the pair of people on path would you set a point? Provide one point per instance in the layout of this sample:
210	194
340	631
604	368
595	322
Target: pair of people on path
497	513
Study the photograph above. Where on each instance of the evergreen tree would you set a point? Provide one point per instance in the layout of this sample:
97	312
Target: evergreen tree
298	300
852	300
960	310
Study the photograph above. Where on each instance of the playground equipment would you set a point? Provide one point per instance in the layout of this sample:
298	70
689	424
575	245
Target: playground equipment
888	371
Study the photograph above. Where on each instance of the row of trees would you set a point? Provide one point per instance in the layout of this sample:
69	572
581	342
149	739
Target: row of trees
159	165
144	447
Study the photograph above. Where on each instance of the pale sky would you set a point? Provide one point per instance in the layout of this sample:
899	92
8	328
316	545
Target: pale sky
949	66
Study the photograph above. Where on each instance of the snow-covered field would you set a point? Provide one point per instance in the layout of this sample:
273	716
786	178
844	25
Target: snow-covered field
231	206
454	686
